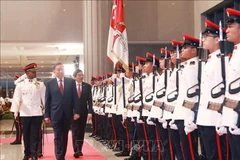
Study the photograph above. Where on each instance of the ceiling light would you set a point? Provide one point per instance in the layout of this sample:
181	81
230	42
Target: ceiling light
41	61
42	66
6	62
68	69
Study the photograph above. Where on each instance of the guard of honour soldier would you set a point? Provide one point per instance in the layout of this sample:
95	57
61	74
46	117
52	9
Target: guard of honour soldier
163	104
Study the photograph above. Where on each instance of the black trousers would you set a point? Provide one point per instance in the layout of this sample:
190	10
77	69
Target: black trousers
215	145
189	142
234	141
143	141
40	144
61	129
133	137
78	132
94	123
174	144
31	127
18	126
164	139
122	133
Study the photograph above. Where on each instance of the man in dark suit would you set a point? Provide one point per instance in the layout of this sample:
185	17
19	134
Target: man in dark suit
61	106
85	99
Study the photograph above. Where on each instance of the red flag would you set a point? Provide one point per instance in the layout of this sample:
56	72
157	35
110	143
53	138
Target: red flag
119	50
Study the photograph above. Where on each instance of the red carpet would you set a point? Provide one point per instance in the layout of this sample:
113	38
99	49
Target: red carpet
89	152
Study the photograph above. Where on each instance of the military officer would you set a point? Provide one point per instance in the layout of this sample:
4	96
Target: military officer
141	129
208	117
182	115
150	68
93	83
230	117
170	100
111	134
29	95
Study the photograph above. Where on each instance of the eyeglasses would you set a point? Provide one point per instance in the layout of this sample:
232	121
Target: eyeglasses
204	36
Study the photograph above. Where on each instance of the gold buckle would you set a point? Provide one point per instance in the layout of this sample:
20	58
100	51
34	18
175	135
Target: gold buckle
135	107
129	107
230	103
169	108
147	107
157	103
188	104
214	106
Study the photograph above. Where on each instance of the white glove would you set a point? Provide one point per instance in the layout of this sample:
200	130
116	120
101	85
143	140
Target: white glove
234	130
15	115
161	120
124	116
220	129
164	124
190	127
173	125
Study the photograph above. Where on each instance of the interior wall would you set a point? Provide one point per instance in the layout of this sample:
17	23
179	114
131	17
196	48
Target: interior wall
199	8
159	21
41	21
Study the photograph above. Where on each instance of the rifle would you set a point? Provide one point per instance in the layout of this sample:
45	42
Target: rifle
130	98
165	80
194	108
178	61
140	94
153	84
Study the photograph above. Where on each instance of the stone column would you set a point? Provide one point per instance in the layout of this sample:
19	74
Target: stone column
96	22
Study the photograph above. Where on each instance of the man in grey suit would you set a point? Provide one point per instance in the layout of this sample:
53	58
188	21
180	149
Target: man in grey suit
61	106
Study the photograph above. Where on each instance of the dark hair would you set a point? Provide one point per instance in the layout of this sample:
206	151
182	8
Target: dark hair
76	72
56	64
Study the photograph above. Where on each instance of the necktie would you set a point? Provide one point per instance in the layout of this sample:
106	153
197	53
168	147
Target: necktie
79	91
61	86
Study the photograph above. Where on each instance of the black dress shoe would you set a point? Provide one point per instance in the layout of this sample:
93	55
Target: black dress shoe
202	157
16	142
122	154
40	155
80	153
116	149
91	135
76	155
34	158
26	157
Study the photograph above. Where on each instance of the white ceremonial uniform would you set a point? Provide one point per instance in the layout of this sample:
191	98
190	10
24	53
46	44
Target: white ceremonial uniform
95	99
187	79
147	89
170	93
156	112
129	96
210	78
30	96
137	96
229	117
101	96
109	99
